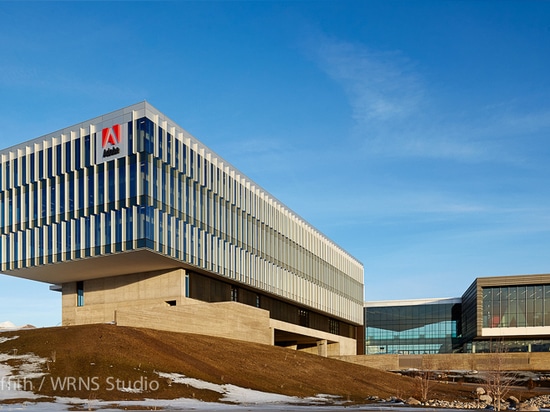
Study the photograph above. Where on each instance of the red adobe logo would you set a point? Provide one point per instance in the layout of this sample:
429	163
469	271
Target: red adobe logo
111	135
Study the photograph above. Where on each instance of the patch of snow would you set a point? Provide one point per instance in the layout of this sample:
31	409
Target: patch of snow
238	395
195	383
129	390
15	382
4	339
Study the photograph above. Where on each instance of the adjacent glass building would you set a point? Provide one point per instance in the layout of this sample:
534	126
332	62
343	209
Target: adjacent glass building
133	180
412	326
514	309
511	310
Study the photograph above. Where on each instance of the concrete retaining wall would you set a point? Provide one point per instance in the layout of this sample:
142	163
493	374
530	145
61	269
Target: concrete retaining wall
224	319
534	361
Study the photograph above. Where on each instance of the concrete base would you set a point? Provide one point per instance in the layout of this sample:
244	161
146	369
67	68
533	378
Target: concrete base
311	340
223	319
157	300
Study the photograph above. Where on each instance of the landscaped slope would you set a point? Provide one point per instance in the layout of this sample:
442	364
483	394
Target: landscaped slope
116	363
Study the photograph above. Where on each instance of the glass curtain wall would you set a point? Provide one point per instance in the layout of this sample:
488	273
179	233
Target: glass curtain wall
516	306
412	329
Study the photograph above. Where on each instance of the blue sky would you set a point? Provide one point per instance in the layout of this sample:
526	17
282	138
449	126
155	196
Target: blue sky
416	134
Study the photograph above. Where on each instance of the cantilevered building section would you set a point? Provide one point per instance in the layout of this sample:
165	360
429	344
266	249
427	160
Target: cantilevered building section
141	224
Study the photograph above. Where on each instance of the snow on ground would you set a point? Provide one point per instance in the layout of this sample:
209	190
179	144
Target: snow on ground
68	404
15	382
236	394
6	339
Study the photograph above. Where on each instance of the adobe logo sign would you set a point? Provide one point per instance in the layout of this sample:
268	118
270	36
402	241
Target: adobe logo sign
112	143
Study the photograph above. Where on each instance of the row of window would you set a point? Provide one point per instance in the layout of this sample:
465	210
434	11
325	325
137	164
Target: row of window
174	157
100	189
381	317
434	330
426	339
516	306
21	168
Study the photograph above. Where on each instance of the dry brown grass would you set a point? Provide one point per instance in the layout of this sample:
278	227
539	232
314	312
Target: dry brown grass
131	354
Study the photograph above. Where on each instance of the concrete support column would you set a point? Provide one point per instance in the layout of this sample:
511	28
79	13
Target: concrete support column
322	348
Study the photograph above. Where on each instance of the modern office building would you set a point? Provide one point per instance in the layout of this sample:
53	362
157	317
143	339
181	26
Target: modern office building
138	223
416	326
513	311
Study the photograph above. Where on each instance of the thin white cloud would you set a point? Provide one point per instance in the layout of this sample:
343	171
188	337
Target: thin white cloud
381	86
396	115
389	103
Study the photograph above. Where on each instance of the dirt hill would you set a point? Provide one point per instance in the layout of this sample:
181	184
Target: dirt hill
95	356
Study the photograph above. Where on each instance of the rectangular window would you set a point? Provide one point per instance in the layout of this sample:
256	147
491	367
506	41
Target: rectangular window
87	235
304	318
234	294
144	175
154	195
187	294
107	233
53	200
111	182
81	197
67	156
71	198
334	326
41	164
58	159
177	145
118	230
24	170
8	175
133	182
130	137
121	168
77	154
91	188
80	293
2	212
77	235
129	225
87	150
32	166
49	163
169	147
15	169
100	184
61	185
160	142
